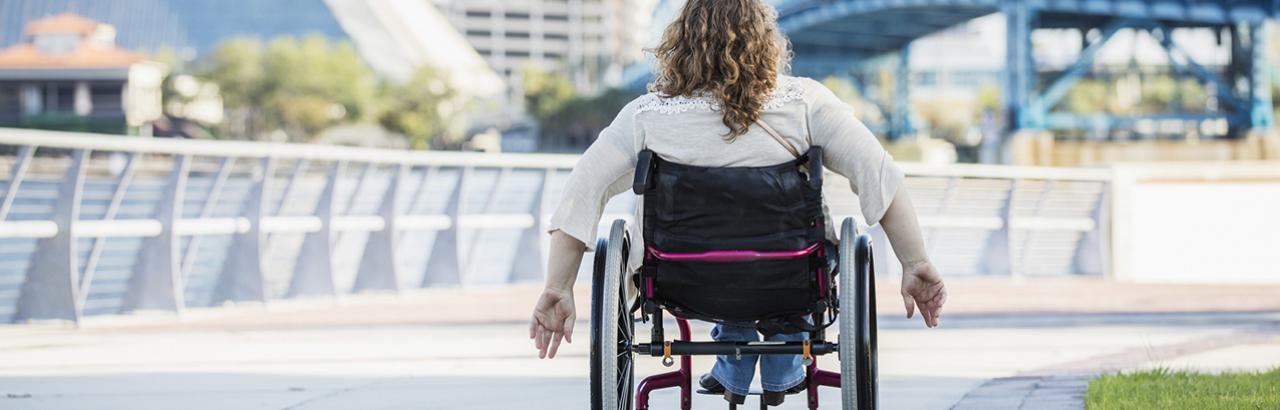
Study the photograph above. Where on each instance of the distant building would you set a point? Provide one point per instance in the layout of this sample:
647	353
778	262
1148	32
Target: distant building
396	37
591	41
393	36
69	74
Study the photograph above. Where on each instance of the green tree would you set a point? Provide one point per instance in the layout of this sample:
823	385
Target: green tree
545	93
313	84
581	118
236	66
422	109
301	86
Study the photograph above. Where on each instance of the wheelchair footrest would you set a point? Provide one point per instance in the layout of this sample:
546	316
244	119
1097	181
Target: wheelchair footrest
752	392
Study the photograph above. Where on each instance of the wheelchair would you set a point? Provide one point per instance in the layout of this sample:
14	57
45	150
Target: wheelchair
732	244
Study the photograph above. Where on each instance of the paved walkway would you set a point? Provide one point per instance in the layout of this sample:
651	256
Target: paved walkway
465	349
985	297
1027	392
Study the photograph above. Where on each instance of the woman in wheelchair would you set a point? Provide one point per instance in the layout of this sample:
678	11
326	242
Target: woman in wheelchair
727	154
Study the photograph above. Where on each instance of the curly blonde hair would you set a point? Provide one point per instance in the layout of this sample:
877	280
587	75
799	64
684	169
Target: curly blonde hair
729	49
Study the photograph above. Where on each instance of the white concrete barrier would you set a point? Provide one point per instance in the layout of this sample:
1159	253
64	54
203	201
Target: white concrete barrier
1196	222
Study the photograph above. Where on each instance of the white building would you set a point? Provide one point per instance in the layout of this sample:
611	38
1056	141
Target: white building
397	37
591	41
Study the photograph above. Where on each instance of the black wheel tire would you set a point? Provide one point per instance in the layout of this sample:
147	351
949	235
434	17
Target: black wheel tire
612	327
859	381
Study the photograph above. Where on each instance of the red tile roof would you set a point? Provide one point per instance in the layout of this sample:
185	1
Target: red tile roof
85	55
62	23
28	56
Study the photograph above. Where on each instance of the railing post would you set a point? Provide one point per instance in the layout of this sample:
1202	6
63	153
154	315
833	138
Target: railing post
313	273
16	175
206	210
527	265
51	288
156	282
998	259
379	269
299	168
1090	251
1029	239
241	277
948	197
95	251
366	175
421	191
490	205
444	266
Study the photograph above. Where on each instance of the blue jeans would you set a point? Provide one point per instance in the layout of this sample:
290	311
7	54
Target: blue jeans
777	372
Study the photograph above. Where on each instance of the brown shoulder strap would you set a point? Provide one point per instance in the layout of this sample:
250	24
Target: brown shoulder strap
776	137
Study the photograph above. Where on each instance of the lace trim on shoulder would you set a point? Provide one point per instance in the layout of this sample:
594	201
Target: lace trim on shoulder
789	89
676	104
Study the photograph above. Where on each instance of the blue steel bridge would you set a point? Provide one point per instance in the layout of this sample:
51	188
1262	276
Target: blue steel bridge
838	37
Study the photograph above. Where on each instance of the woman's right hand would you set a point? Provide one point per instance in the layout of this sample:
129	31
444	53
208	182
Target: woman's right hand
921	286
553	318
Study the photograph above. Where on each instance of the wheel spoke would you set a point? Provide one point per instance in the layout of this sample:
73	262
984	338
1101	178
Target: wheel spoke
624	385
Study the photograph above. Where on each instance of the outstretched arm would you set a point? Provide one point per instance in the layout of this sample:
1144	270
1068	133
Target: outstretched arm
554	314
604	170
851	150
921	285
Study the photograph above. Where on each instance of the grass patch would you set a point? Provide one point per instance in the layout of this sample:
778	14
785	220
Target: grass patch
1169	389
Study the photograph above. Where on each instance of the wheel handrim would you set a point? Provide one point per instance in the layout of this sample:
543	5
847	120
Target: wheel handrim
612	326
626	328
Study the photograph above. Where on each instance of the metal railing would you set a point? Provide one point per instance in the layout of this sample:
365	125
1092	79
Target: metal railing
93	224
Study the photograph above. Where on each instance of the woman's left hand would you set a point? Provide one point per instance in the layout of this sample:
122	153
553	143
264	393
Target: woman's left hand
553	318
921	286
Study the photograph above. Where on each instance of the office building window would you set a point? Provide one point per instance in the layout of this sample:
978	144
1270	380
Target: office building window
484	51
556	36
517	34
555	17
478	33
517	53
478	13
517	15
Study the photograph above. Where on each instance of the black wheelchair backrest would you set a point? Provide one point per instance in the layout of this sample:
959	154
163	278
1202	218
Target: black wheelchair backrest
732	243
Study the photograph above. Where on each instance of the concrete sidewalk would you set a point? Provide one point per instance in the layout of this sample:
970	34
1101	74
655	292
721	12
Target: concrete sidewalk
967	296
466	349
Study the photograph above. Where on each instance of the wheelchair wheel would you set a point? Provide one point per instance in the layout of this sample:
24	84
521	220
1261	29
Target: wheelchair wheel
859	384
612	375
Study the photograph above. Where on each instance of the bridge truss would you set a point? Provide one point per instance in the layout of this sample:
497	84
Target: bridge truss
830	36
